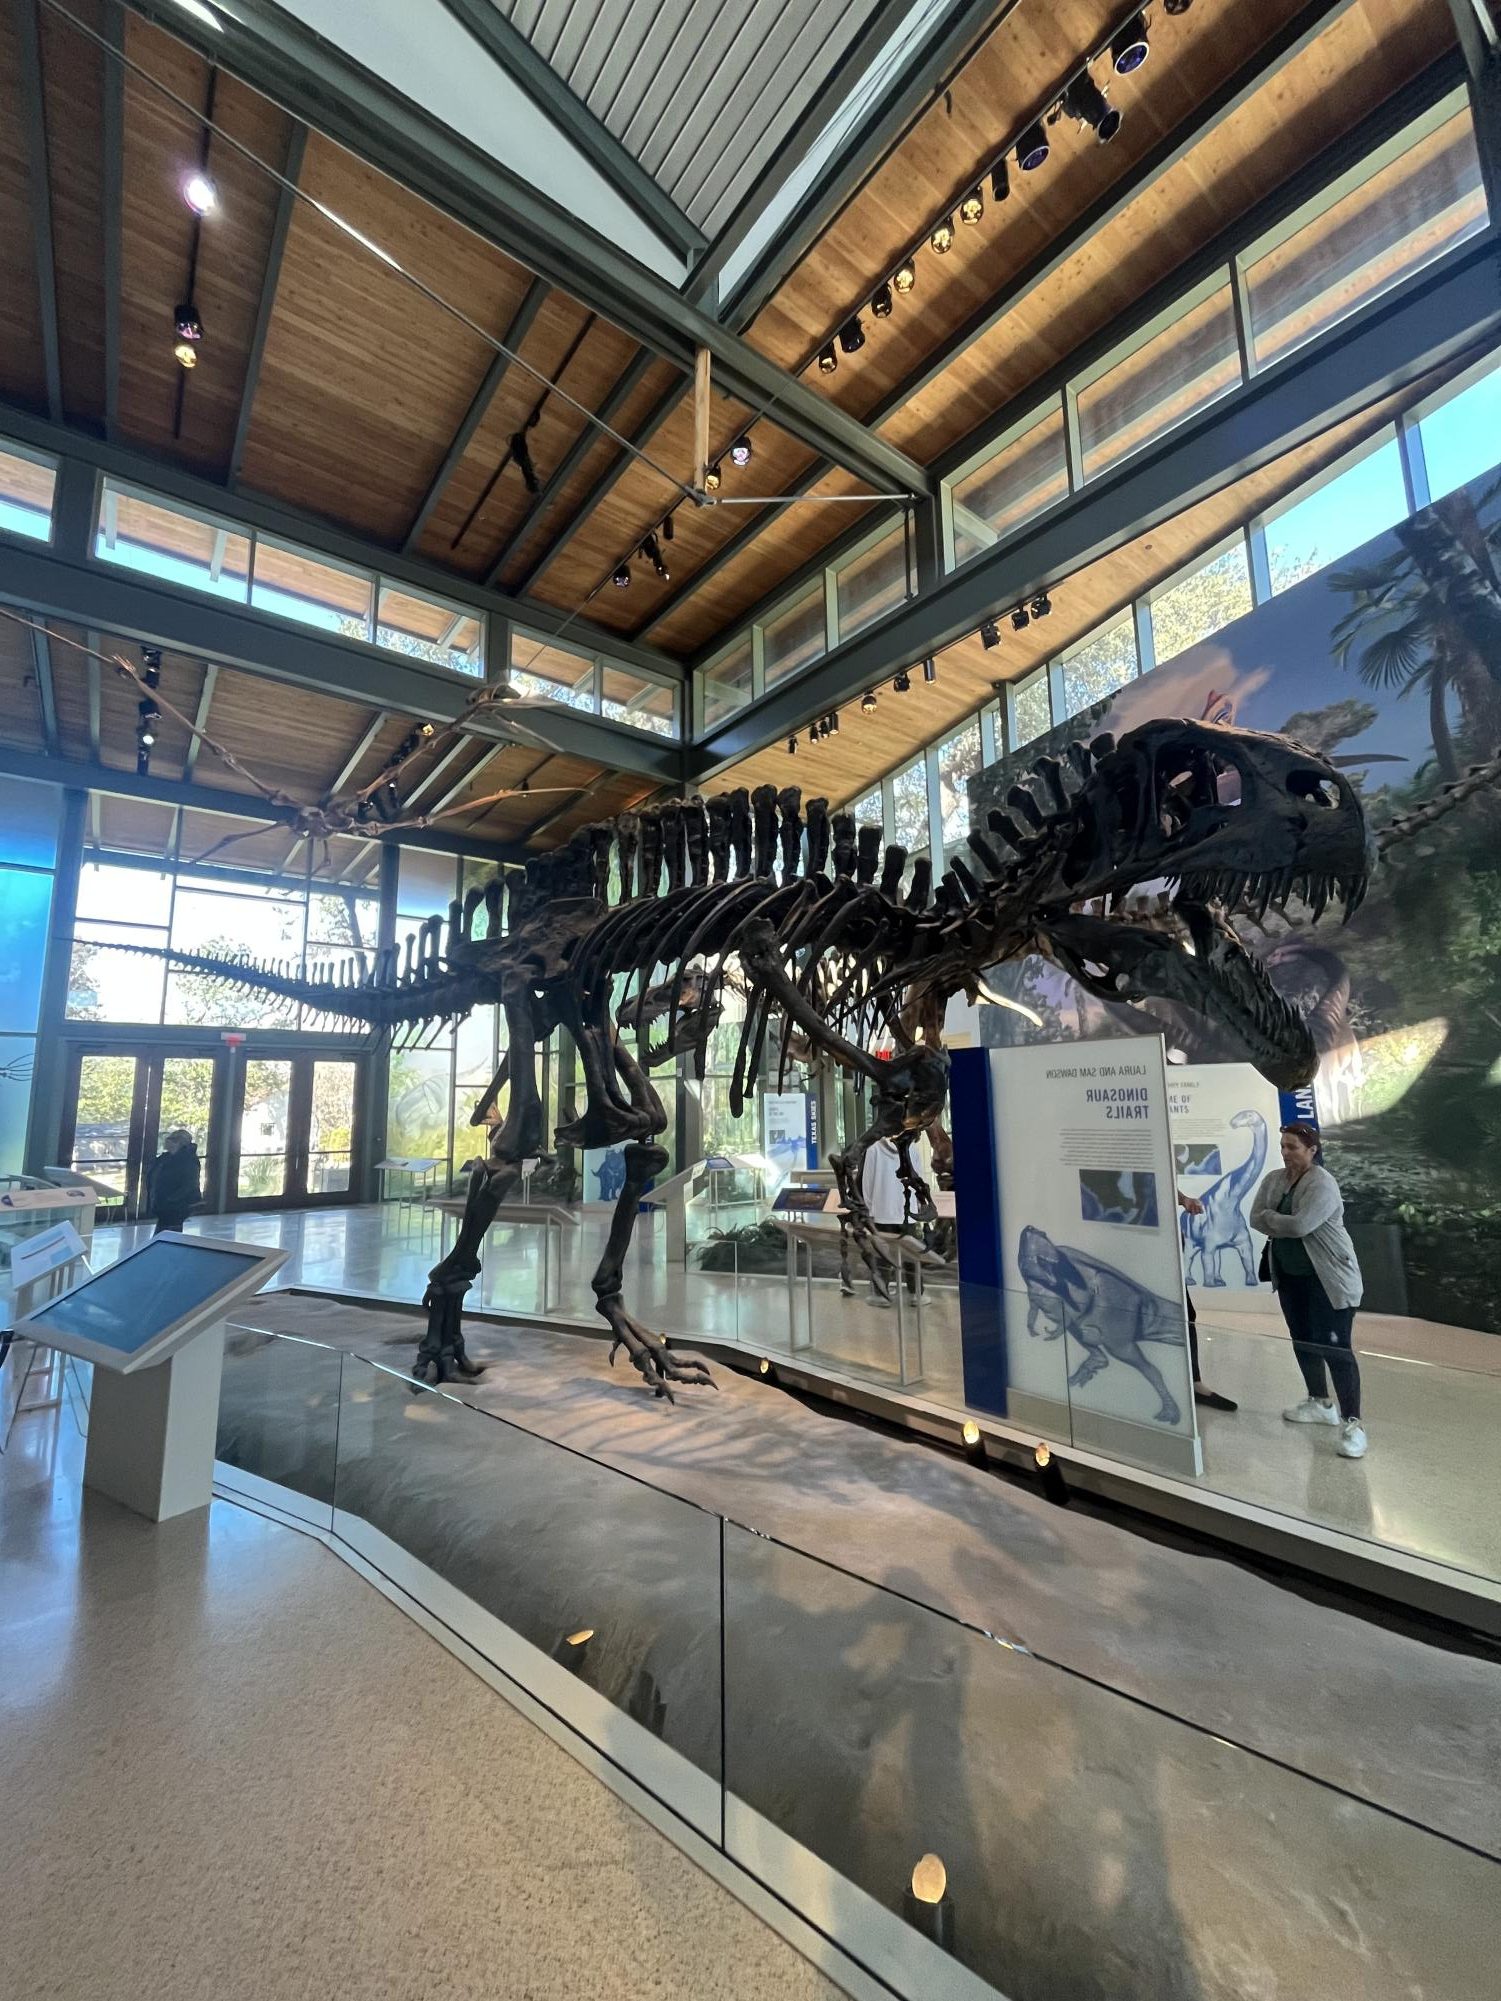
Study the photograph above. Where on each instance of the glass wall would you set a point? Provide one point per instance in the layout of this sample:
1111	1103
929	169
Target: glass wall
728	684
29	817
189	546
1098	665
872	583
1012	486
1159	384
548	670
1349	505
28	481
796	637
1199	600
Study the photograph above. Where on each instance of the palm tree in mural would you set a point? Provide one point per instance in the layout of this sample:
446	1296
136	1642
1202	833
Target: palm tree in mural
1429	617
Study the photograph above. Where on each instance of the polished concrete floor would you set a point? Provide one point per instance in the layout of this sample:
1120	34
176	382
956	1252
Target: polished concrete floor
229	1768
1432	1393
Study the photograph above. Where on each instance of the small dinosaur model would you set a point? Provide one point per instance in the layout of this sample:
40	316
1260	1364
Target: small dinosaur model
833	938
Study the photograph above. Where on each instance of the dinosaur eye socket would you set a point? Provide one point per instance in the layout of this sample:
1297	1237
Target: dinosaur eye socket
1315	789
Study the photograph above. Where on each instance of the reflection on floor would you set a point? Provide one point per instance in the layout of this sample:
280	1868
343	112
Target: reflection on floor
1432	1393
231	1768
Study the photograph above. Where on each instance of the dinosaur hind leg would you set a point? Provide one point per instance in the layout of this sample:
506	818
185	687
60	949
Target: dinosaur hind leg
648	1351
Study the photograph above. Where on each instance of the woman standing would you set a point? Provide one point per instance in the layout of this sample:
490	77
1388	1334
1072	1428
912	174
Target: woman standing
172	1184
1317	1279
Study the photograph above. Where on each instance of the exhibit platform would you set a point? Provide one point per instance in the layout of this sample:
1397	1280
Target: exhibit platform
1416	1519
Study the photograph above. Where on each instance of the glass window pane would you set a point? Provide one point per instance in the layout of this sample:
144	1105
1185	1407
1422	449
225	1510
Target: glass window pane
27	482
1199	601
868	811
1033	709
1311	532
223	921
109	893
429	628
25	903
342	921
796	637
727	684
1462	438
643	704
171	542
106	984
874	583
542	672
425	884
101	1133
331	1129
421	1096
958	761
909	806
1416	208
1021	480
28	822
187	1097
263	1128
1100	664
294	584
1165	382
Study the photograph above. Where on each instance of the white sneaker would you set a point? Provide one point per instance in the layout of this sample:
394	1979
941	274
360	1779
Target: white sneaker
1352	1442
1311	1411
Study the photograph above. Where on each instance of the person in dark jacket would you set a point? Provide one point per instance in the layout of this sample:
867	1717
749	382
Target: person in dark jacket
172	1184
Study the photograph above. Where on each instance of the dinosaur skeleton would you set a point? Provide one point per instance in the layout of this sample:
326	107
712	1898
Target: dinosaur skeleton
833	939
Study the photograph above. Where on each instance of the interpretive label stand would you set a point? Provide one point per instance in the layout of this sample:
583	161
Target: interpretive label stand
153	1327
1070	1266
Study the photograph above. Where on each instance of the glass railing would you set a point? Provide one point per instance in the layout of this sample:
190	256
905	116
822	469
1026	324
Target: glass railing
962	1814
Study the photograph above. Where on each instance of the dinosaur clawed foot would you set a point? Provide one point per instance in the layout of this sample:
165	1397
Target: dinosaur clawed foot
650	1354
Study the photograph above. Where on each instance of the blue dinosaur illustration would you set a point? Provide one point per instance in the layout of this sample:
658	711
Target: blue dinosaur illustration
610	1173
1221	1226
1108	1313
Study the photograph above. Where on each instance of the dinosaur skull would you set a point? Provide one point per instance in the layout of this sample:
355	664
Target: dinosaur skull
1202	820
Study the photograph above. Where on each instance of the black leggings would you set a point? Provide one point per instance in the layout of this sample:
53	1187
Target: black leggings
1321	1334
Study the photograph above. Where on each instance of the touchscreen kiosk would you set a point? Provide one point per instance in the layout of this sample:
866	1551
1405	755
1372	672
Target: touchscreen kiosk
153	1326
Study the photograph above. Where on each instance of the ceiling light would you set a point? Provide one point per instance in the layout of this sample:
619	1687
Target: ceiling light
942	238
1019	619
868	702
990	635
880	301
1129	47
740	451
622	576
930	670
852	335
792	744
668	531
186	321
905	275
1032	148
972	208
1042	604
712	479
902	683
186	354
1085	101
833	722
200	194
828	361
1000	182
814	733
651	549
151	665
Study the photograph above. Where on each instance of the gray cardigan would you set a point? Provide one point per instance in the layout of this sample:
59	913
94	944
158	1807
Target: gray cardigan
1318	1217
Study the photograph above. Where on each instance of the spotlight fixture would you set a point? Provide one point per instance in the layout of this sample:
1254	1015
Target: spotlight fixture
187	322
622	577
712	479
150	716
1085	101
852	335
814	733
904	278
1129	47
942	239
792	744
833	722
1000	181
200	194
151	665
972	208
186	354
868	702
1032	148
880	301
1019	619
828	361
930	670
740	451
971	1433
651	549
990	635
902	682
668	531
1042	604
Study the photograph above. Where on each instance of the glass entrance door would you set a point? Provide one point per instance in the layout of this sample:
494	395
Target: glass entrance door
119	1107
295	1126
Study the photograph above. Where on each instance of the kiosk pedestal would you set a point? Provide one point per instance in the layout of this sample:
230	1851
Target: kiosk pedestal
153	1327
152	1434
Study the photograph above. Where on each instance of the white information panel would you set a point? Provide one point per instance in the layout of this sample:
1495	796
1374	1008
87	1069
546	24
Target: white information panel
1094	1317
1226	1118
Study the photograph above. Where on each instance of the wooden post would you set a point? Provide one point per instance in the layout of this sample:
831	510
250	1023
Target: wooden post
701	366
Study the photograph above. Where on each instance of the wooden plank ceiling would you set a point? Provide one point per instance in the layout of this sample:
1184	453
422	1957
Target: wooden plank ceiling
299	741
867	747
